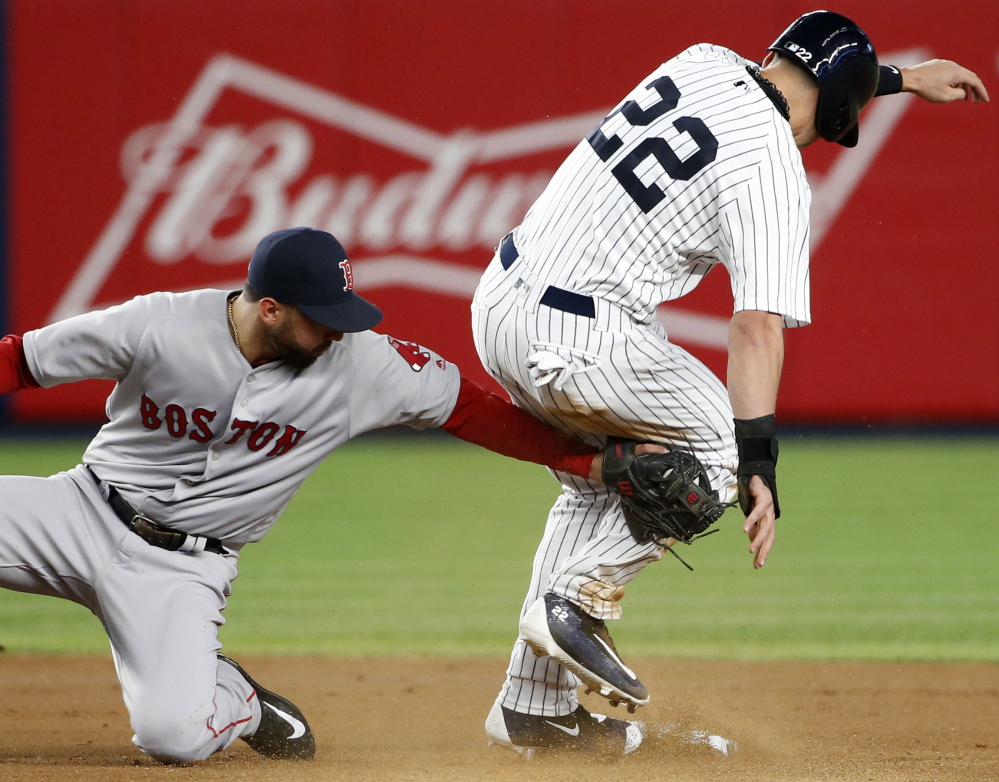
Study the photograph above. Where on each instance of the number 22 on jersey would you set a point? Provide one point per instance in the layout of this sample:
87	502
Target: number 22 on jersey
648	196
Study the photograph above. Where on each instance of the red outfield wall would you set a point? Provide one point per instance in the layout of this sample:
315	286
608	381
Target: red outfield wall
153	142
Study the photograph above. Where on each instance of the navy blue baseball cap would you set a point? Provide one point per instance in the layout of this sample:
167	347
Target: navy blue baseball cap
309	269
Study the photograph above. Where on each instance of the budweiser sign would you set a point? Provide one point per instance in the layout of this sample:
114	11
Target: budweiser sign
204	190
251	151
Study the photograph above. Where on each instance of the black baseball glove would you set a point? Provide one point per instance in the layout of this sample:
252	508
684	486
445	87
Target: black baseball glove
665	495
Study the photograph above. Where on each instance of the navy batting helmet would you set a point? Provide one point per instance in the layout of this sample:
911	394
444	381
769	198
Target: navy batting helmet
840	57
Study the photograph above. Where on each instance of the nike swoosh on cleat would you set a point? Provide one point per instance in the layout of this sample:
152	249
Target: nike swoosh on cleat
573	732
297	725
615	658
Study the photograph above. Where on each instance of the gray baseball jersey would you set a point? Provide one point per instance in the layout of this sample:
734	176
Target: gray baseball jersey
201	441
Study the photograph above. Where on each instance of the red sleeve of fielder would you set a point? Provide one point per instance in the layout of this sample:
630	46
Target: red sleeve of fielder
485	419
14	372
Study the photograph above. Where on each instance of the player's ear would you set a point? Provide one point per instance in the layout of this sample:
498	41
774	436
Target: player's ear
270	310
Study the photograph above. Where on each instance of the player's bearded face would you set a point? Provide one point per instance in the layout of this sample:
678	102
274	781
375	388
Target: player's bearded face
284	341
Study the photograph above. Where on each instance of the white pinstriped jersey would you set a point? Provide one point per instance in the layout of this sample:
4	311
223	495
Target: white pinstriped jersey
694	168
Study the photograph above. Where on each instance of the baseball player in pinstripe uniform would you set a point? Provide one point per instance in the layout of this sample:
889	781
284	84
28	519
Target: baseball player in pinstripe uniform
698	166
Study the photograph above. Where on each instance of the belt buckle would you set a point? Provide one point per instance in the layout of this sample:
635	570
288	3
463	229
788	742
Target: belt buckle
156	534
145	520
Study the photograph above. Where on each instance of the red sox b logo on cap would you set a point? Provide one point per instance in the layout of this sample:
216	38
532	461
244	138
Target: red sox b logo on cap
348	275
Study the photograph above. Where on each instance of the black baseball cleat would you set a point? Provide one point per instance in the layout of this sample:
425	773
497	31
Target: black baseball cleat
555	627
580	730
283	733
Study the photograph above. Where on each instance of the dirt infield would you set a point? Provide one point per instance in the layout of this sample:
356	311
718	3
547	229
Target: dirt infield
61	717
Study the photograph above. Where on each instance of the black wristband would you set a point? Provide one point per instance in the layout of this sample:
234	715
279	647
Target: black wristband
758	451
757	443
889	80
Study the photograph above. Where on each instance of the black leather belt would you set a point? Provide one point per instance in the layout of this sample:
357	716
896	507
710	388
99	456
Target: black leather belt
152	532
556	298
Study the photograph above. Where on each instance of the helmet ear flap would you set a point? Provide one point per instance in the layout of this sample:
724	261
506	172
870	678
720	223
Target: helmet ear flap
840	57
842	118
833	113
843	93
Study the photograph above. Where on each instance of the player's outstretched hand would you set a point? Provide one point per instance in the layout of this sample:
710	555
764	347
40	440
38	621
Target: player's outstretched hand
760	523
943	81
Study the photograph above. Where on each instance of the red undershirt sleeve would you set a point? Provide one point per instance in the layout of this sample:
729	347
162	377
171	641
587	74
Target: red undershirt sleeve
14	372
487	420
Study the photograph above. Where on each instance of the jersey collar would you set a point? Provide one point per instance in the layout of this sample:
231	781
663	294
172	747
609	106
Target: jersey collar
771	91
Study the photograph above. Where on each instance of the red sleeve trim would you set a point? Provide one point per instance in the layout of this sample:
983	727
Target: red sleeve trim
485	419
14	372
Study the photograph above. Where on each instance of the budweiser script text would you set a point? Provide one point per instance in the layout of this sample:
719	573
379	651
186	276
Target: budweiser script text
233	185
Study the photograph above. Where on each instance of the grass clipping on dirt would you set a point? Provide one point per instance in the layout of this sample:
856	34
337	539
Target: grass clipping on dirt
424	546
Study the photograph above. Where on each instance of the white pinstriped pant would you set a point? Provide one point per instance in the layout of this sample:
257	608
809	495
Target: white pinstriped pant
633	383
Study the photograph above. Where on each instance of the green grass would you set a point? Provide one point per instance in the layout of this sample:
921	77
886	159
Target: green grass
424	546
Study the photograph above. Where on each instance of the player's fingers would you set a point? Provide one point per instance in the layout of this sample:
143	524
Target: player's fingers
755	515
753	524
754	518
976	90
951	93
972	85
649	448
763	530
762	502
764	541
764	551
961	92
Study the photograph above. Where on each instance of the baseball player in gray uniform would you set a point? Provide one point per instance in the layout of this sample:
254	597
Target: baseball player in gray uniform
224	403
699	166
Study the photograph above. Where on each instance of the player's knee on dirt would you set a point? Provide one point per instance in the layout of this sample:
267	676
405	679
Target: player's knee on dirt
172	738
